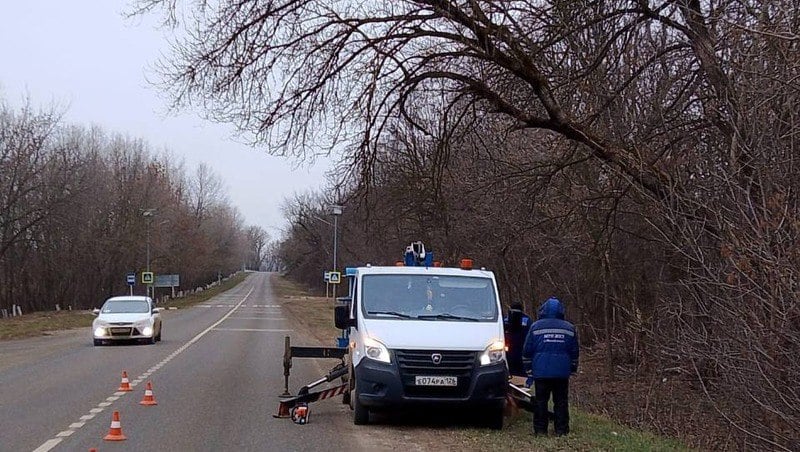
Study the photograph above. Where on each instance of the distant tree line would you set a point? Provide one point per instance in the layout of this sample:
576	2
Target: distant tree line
73	223
637	158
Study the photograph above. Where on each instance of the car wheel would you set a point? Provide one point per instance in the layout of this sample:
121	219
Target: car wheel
158	338
152	340
360	412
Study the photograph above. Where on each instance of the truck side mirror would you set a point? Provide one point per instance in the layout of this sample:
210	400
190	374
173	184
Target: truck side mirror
341	316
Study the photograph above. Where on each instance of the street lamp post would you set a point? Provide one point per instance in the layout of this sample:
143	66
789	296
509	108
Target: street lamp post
336	210
148	214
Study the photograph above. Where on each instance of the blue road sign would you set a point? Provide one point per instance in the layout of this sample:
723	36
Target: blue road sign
131	278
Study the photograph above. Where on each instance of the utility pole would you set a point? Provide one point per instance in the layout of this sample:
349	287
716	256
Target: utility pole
148	214
336	210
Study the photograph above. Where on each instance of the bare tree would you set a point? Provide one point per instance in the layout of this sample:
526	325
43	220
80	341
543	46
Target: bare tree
666	126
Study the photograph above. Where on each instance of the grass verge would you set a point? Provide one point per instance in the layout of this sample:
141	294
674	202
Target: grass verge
40	323
314	314
589	432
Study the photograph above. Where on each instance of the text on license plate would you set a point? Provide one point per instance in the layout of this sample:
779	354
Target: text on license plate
436	381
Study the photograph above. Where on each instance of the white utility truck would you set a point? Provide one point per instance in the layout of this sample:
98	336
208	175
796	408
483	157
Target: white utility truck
421	335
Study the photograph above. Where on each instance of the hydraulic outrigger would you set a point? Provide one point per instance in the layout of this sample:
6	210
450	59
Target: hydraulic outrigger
296	407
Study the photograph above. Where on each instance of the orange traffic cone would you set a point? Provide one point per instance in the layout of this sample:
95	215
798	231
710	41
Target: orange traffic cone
125	385
115	432
148	396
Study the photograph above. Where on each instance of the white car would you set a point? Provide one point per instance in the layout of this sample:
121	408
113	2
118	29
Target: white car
127	318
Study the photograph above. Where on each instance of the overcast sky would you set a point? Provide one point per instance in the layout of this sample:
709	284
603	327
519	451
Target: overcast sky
85	56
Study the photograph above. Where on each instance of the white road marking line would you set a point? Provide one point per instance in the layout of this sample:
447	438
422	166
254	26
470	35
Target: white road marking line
257	318
51	443
120	393
87	417
268	330
77	424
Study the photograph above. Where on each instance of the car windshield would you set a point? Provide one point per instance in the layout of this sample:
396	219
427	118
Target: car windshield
125	307
429	297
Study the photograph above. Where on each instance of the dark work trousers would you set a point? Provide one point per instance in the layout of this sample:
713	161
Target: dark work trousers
559	388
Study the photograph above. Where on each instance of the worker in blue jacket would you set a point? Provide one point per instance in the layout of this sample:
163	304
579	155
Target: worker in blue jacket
552	346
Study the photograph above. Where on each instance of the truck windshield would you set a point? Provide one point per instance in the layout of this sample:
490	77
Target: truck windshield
428	297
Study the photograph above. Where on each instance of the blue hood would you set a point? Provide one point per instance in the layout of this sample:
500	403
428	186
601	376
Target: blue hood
551	309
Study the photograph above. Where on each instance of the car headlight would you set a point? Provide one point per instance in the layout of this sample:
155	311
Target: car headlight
100	331
494	353
147	331
375	350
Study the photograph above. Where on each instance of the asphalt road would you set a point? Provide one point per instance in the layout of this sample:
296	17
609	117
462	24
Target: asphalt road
216	376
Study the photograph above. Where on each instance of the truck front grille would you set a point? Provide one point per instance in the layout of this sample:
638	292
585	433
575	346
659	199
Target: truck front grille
458	364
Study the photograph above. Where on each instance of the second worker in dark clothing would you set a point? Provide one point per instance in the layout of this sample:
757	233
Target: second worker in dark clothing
552	346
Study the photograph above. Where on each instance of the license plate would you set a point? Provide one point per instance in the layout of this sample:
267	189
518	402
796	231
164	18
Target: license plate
120	330
436	381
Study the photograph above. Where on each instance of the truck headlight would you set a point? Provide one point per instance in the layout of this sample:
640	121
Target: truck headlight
100	331
494	353
375	350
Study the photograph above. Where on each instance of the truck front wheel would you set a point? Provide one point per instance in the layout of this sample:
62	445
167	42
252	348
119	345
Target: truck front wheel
493	418
360	412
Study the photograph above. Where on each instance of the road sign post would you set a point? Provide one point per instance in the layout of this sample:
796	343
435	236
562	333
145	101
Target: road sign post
130	278
171	281
335	277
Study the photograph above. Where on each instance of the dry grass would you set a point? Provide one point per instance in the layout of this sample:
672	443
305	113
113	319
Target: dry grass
314	314
40	323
